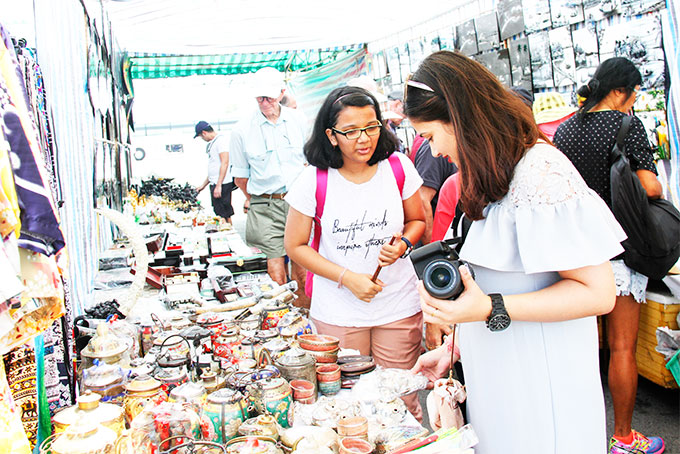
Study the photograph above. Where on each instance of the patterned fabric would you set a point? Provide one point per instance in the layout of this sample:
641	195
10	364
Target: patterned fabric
12	436
21	377
40	225
671	41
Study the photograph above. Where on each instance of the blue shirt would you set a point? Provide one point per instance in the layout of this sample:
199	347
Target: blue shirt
268	154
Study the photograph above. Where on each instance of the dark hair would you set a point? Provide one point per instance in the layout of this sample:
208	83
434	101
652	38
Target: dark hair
616	73
492	126
320	152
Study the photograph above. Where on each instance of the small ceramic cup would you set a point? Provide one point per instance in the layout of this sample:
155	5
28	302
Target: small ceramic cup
328	376
354	445
303	390
355	426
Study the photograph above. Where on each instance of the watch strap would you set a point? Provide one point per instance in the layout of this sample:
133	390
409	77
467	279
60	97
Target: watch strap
409	247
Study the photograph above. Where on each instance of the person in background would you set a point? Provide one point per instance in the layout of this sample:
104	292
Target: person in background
266	156
449	195
395	115
289	101
363	210
539	244
219	178
524	94
550	111
586	139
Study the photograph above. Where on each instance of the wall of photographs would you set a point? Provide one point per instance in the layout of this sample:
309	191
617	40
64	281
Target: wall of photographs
541	45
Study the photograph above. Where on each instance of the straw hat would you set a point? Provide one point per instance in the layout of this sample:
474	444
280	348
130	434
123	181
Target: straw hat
550	107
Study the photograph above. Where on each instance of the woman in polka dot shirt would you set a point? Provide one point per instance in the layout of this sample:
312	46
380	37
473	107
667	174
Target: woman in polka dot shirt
586	140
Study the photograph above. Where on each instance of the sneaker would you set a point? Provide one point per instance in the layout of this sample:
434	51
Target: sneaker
640	445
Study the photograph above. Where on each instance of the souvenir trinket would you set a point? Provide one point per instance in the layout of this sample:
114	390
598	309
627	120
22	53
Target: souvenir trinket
90	408
106	380
328	376
297	364
226	343
222	415
273	396
260	425
106	347
82	437
191	393
139	392
272	313
253	445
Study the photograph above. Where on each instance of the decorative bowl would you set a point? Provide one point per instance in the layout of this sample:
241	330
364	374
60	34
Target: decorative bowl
318	342
325	357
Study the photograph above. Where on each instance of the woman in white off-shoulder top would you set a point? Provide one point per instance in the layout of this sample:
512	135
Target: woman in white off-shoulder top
540	244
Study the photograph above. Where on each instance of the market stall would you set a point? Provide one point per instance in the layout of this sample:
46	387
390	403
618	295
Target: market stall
132	320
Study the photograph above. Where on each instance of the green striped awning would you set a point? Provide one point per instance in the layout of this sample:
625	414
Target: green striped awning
153	66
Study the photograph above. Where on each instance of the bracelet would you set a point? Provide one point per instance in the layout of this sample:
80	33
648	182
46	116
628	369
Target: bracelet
340	278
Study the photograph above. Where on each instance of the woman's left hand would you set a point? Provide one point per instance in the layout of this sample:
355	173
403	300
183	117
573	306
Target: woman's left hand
390	253
473	305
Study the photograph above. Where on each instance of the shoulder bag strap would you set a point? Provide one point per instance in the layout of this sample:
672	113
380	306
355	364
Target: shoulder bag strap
398	171
320	194
620	140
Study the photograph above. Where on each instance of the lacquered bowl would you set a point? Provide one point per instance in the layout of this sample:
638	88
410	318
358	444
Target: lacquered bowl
318	342
354	445
328	372
325	357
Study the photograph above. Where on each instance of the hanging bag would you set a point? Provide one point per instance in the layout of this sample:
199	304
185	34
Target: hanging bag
652	225
321	186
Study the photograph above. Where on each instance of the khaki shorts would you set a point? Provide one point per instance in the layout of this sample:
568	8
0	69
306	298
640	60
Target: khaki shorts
265	225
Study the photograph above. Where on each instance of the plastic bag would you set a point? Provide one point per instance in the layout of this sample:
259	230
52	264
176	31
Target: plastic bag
386	384
668	341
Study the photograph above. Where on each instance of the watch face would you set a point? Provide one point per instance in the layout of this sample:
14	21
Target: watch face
499	322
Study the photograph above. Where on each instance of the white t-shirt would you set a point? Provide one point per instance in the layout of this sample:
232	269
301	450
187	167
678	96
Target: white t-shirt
357	220
214	148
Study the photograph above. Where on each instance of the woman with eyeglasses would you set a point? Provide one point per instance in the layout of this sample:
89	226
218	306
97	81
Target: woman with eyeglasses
365	198
539	244
586	139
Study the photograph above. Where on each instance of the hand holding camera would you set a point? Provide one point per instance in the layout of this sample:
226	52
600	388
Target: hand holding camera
444	278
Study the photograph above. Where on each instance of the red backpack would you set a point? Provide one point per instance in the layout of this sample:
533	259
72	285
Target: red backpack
321	186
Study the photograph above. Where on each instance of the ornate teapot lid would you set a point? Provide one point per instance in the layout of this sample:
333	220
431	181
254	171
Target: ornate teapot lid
187	392
266	334
195	332
210	318
225	396
105	344
276	345
176	339
88	404
143	383
295	357
170	374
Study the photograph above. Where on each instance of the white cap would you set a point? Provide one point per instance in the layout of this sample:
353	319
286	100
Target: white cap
367	84
268	82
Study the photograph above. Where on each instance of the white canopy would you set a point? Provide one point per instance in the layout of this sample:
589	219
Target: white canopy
244	26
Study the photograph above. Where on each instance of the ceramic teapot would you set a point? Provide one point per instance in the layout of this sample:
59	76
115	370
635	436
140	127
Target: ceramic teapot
273	396
90	408
297	364
82	437
139	392
223	413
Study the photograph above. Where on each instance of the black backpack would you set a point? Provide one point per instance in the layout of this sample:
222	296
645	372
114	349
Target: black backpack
652	226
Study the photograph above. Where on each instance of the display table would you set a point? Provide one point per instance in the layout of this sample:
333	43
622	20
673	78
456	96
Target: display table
660	310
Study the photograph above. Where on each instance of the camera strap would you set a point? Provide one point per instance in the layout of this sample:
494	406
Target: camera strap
460	226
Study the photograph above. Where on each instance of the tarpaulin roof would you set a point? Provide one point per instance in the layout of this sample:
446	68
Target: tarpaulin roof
151	66
210	27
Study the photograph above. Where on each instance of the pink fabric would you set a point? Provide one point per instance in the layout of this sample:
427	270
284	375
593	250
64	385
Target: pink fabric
417	142
396	344
446	206
443	407
321	188
550	127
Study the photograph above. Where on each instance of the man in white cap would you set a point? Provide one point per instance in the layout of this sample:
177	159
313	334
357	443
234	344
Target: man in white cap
266	157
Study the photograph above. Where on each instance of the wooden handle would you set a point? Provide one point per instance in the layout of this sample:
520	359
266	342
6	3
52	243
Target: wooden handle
377	270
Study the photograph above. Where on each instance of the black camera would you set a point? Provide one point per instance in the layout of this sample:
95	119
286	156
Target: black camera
437	265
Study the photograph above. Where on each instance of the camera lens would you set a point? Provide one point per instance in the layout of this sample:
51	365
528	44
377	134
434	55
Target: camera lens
442	280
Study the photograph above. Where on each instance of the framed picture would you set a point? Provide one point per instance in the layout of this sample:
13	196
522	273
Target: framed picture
510	18
541	62
520	63
536	15
466	38
487	32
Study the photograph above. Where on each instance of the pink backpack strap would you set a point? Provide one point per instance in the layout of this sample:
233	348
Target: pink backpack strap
398	171
321	187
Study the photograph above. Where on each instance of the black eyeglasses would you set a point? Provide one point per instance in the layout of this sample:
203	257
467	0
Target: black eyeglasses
261	99
353	134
